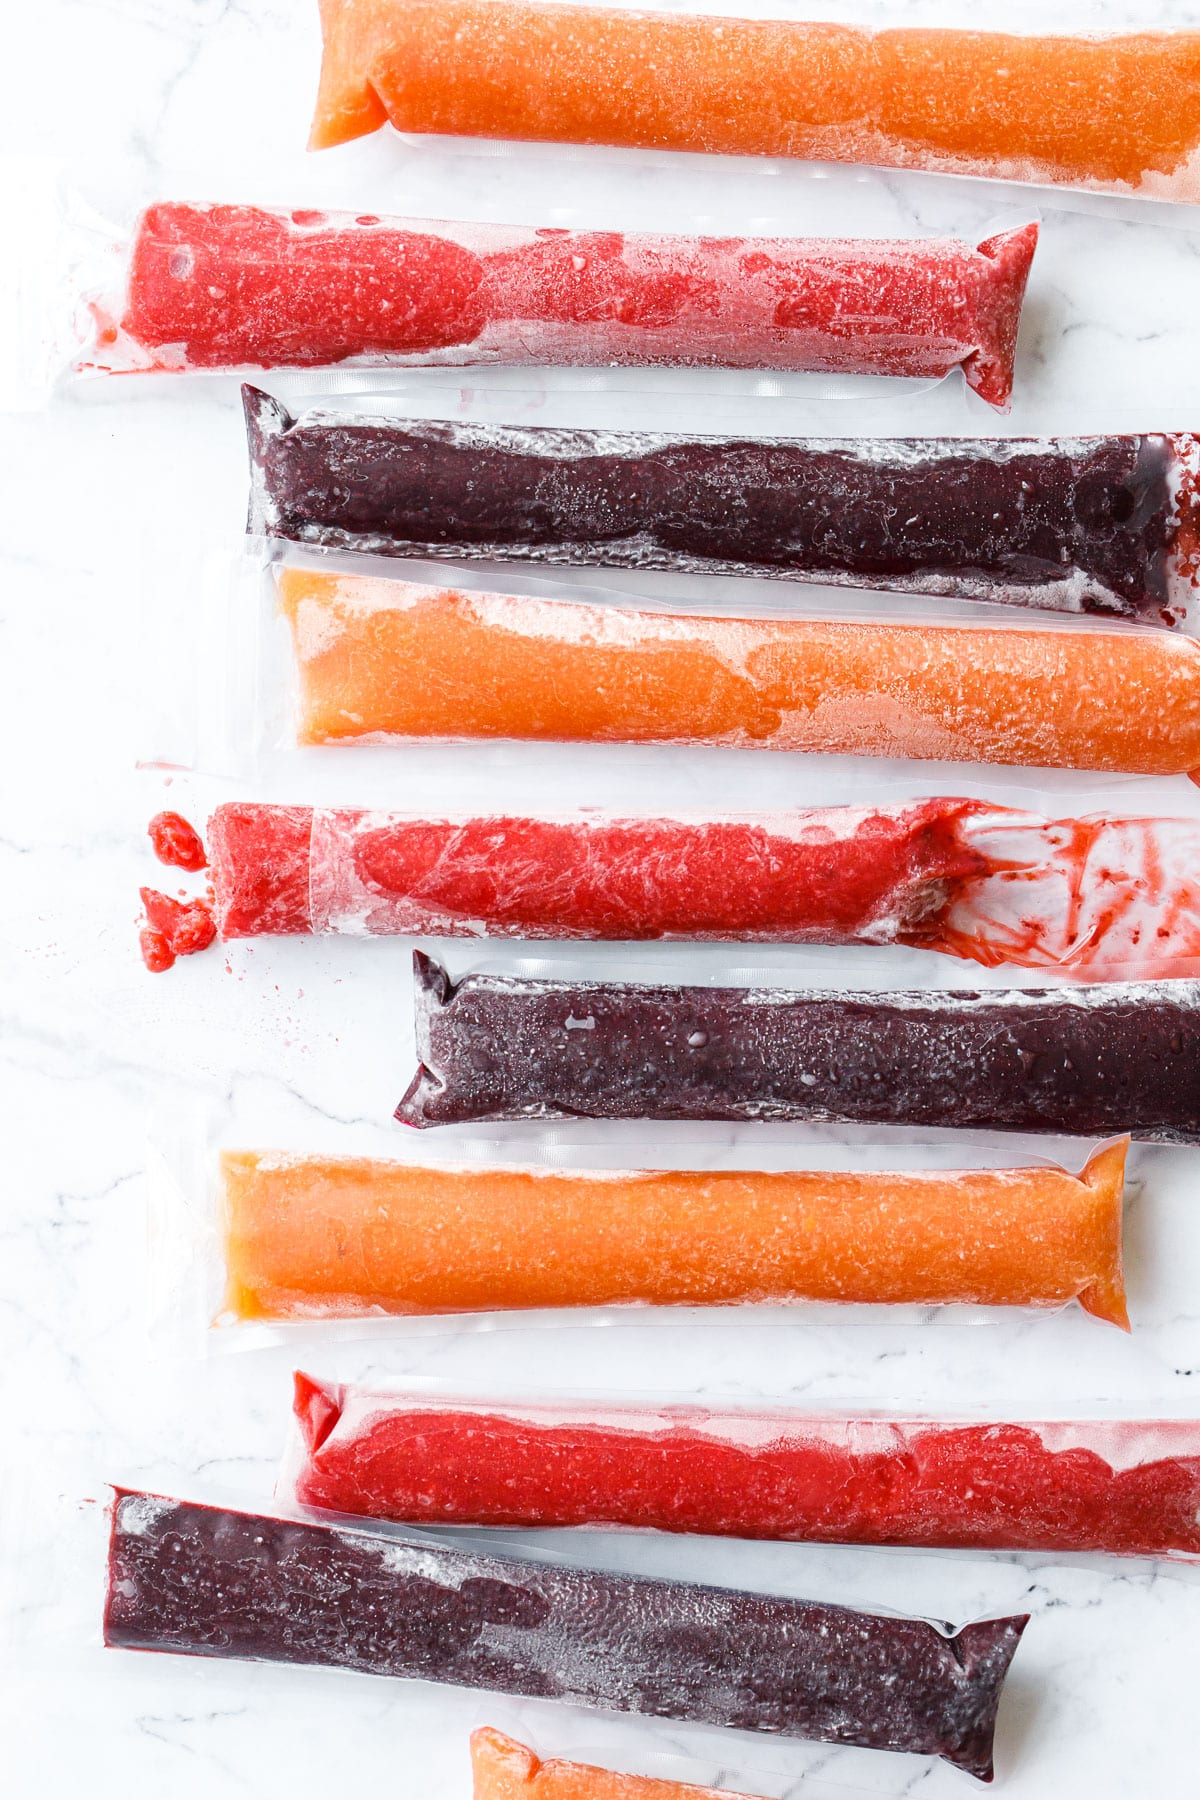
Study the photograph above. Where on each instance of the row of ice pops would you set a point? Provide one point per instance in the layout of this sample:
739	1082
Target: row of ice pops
1118	112
1087	897
209	1581
228	287
1107	525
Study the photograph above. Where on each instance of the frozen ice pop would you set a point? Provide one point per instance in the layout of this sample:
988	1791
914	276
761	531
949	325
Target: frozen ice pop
1085	1061
1128	1487
222	287
1118	112
1086	897
1103	524
310	1236
205	1581
504	1769
512	666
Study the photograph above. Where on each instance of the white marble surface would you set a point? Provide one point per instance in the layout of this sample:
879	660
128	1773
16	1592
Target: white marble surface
112	507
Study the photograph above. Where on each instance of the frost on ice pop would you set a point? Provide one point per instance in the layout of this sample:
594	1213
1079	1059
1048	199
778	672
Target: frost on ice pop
504	1769
311	1236
1087	897
218	287
1115	1486
211	1582
512	666
1103	524
1085	1061
1118	113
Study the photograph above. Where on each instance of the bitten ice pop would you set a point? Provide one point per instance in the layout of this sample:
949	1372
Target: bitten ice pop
1125	1487
1104	525
1119	112
512	666
1085	1061
1088	897
504	1769
215	287
309	1236
210	1582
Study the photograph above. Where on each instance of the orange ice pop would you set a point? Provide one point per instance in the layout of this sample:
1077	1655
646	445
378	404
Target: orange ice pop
380	659
312	1236
506	1770
1116	112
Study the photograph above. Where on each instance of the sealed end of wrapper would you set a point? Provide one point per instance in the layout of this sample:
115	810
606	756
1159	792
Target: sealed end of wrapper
1104	1175
347	105
985	1651
266	419
990	370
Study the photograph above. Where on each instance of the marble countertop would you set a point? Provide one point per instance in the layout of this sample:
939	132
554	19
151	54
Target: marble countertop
122	512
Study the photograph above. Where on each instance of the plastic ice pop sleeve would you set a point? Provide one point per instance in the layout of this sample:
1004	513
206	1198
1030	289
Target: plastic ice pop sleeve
1115	1486
1118	113
223	287
504	1769
1088	897
314	1236
1087	1061
207	1581
495	666
1104	525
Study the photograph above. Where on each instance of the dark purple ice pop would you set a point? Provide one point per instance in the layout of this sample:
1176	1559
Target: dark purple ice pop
1094	525
1088	1061
209	1582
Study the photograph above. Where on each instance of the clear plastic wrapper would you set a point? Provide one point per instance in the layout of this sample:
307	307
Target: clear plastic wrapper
1084	1060
309	1236
221	287
337	1595
1118	113
1102	525
1099	1485
995	885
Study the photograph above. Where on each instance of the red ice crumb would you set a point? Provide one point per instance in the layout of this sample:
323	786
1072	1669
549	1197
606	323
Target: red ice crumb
175	842
173	928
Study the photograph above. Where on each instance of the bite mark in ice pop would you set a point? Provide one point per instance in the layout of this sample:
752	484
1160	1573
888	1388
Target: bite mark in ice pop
308	1236
209	1582
1124	1487
1097	524
1083	1061
1116	112
218	287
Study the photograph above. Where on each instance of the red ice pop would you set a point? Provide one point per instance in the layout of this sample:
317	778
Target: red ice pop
1120	1486
1101	897
223	287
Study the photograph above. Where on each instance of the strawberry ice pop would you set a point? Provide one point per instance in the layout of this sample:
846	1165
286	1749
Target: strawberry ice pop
512	666
1090	897
1122	1056
1105	524
208	1581
218	287
1119	112
312	1236
1124	1487
503	1769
